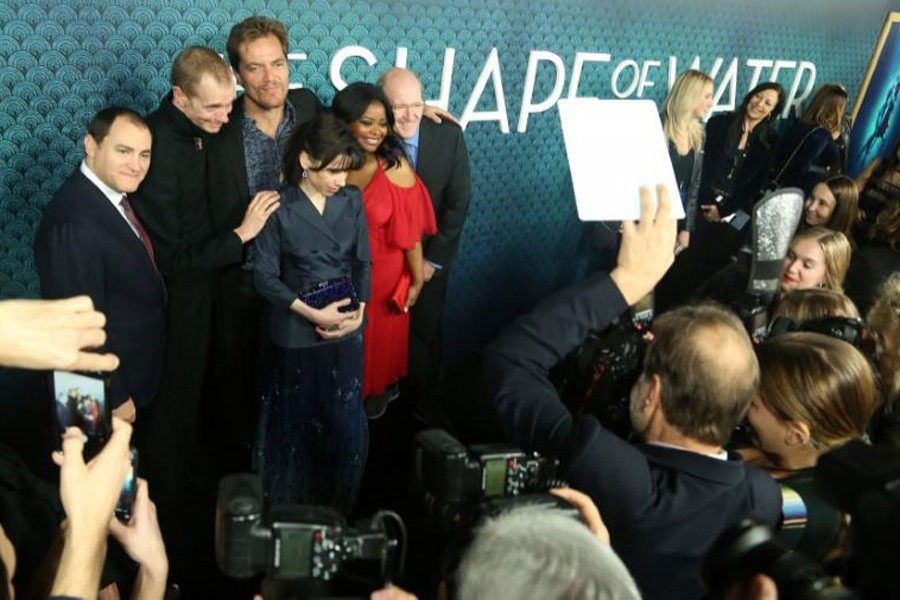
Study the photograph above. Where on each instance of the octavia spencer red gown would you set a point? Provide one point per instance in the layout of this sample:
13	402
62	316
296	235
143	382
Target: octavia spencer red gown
398	217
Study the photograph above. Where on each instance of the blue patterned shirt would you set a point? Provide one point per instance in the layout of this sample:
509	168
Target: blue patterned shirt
263	155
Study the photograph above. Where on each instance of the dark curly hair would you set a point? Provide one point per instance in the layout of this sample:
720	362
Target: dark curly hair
351	103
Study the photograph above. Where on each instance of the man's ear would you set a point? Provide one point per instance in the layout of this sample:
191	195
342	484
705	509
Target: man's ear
797	433
179	96
654	392
90	145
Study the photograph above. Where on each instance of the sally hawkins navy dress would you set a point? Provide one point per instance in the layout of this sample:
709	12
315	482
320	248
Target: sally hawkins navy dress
313	431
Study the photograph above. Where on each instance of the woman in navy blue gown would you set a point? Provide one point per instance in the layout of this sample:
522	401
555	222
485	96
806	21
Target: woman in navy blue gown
313	433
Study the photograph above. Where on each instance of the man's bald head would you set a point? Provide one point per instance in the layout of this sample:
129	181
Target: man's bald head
708	370
404	92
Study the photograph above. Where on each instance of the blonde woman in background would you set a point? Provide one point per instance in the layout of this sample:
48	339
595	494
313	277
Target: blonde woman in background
683	112
682	116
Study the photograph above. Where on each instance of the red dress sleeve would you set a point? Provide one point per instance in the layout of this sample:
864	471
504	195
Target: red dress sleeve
413	215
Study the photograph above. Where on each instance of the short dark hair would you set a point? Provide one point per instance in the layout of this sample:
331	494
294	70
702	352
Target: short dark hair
250	30
704	395
103	121
323	139
351	103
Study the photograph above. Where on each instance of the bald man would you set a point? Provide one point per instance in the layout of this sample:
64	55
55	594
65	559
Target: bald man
438	153
666	500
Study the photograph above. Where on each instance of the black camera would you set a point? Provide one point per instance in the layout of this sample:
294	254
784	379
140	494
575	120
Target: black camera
750	548
295	542
454	474
847	329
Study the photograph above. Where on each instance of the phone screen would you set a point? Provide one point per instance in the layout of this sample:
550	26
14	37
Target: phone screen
126	498
81	401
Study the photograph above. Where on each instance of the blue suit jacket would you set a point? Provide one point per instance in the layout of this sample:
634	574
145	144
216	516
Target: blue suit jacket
299	248
84	246
663	506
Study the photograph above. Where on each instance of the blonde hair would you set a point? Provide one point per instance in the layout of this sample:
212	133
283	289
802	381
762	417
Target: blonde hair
836	249
815	303
678	108
820	381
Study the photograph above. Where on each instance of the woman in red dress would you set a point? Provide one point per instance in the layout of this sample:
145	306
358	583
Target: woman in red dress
399	213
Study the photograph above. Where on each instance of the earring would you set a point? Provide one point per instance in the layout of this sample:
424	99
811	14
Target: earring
304	174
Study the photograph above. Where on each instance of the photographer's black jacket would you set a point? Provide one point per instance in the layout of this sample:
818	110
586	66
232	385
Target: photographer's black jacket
663	506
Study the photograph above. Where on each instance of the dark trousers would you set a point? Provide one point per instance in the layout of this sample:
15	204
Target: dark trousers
425	342
239	350
168	431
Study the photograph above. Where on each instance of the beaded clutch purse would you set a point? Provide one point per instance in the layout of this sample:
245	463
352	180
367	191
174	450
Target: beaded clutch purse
323	294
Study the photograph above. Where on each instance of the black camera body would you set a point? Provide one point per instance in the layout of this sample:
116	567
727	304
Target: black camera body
750	548
290	542
455	474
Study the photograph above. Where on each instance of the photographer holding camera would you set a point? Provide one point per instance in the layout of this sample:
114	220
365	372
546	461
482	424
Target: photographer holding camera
664	501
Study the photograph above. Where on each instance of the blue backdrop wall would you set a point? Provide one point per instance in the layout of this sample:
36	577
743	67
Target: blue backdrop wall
500	64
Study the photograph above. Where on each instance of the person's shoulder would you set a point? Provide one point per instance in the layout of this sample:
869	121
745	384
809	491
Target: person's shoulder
401	174
720	118
304	99
445	128
764	490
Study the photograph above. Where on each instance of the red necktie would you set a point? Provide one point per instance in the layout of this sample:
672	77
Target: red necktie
142	233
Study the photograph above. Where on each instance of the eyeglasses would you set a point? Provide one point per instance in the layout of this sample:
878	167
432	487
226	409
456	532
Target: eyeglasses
412	106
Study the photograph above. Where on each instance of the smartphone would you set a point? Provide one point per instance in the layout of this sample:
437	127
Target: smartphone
129	490
81	400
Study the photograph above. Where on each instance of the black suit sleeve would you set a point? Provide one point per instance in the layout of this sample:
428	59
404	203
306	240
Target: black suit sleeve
69	263
441	248
518	361
180	226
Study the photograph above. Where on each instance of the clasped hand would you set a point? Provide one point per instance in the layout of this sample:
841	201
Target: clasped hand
331	323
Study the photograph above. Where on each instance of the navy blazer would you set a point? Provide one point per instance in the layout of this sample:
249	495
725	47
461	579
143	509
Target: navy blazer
84	246
299	248
443	165
663	506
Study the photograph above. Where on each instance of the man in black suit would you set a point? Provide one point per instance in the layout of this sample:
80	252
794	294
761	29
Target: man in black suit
664	501
246	159
90	242
174	206
438	153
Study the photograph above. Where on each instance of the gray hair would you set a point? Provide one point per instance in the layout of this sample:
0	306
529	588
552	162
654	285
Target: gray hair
539	553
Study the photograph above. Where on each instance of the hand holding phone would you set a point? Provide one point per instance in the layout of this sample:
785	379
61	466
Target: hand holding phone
140	536
125	505
81	400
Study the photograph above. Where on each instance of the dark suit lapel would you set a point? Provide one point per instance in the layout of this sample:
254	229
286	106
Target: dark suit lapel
302	208
111	222
427	147
234	151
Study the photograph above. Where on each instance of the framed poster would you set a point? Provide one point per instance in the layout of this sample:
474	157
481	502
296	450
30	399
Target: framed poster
876	114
